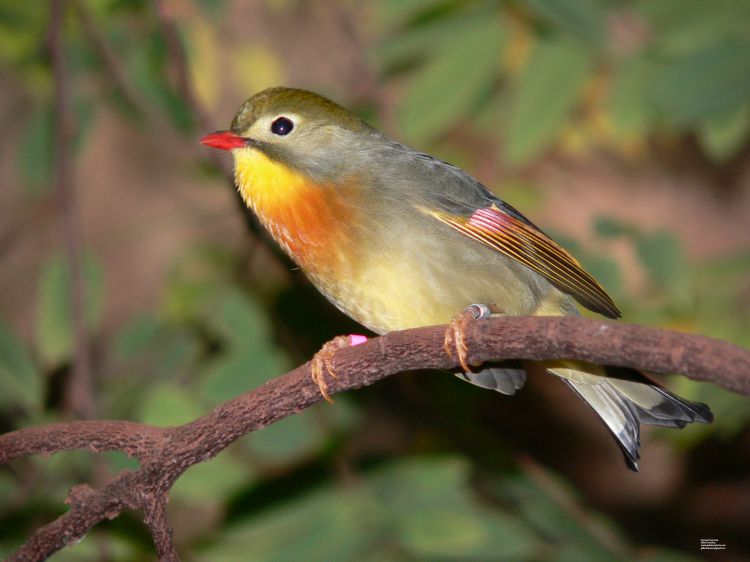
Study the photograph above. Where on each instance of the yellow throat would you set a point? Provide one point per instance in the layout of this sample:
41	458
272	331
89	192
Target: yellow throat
302	216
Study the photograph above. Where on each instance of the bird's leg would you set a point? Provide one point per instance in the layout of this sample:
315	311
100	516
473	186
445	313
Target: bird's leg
322	362
454	335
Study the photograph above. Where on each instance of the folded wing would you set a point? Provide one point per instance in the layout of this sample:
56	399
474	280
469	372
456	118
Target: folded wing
507	233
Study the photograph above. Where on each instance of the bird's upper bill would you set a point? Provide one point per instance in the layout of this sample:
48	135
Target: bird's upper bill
225	140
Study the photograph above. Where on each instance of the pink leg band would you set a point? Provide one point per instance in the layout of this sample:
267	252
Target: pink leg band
357	339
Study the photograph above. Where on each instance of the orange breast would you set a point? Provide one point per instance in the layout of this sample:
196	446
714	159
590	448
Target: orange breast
303	217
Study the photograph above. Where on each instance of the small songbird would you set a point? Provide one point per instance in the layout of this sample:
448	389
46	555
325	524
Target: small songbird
398	239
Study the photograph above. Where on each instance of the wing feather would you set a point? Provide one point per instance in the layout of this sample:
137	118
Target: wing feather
521	241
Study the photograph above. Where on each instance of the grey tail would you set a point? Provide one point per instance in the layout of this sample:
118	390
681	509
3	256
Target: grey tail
506	378
626	398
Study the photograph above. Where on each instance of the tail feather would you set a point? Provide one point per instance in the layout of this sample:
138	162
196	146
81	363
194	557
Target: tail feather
622	398
660	406
626	399
618	414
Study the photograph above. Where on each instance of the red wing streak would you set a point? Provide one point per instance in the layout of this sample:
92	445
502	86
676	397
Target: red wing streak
531	247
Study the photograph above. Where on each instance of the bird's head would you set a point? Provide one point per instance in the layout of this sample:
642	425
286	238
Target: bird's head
297	129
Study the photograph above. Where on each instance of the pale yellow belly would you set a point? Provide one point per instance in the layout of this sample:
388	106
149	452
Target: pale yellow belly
411	285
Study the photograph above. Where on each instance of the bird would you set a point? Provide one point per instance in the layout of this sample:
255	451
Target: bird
397	239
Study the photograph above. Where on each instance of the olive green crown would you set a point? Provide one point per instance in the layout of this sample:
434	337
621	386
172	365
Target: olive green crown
308	104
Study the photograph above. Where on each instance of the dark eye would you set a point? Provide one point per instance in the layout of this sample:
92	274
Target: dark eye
282	126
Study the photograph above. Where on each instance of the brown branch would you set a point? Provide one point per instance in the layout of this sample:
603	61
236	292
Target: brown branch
155	516
79	398
132	438
165	453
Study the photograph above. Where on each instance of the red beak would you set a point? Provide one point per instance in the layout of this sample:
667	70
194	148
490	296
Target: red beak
225	140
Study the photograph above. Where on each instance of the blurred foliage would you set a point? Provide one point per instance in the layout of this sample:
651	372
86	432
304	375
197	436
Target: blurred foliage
532	76
574	73
54	337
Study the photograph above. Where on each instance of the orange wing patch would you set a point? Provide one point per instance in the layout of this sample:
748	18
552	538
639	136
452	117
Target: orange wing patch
531	247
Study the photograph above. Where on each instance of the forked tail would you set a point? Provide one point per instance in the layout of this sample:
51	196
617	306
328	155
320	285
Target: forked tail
626	398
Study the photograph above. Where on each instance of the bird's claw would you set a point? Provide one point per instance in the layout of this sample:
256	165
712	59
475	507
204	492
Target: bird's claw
454	335
322	362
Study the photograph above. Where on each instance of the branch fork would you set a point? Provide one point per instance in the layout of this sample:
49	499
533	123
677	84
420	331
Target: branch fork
165	453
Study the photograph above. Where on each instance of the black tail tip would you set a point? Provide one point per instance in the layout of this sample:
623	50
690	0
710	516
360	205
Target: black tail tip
703	413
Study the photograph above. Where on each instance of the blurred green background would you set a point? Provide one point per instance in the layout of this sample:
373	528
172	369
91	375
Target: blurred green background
622	128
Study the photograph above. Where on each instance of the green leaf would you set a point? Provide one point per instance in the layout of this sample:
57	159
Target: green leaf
582	17
213	480
723	135
146	64
442	532
22	30
545	95
464	530
661	254
36	150
251	357
168	404
171	352
546	510
706	83
54	322
288	439
436	514
21	382
420	40
37	143
608	228
720	313
8	484
83	114
420	482
630	107
118	461
239	371
391	13
417	509
214	9
684	26
238	319
324	525
448	88
90	548
137	336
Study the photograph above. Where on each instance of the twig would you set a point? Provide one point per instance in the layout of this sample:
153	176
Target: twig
79	398
165	453
132	438
155	516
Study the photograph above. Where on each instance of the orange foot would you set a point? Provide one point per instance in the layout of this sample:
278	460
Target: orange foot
322	362
454	335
